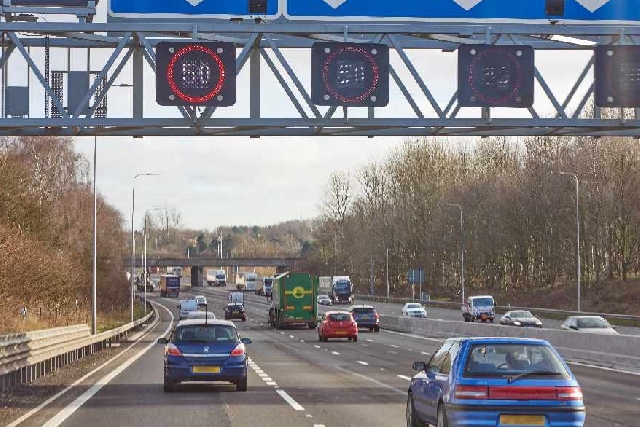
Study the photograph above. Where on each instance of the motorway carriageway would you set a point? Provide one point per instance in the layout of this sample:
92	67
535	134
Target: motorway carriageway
294	381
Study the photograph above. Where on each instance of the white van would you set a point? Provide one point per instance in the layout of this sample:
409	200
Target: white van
187	305
251	280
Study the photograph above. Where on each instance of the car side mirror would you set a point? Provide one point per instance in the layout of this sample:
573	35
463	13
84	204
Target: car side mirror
162	340
614	326
178	306
574	327
245	340
419	366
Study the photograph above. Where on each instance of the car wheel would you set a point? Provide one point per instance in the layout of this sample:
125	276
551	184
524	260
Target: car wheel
412	418
244	319
377	328
242	385
168	386
371	329
355	338
491	320
442	416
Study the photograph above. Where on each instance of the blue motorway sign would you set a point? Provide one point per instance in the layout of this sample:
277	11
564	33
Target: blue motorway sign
186	9
416	276
584	11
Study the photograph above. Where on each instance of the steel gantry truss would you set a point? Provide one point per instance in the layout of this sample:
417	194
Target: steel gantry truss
134	42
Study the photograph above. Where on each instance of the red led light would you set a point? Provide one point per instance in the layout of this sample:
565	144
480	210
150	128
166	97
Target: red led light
471	76
171	74
326	68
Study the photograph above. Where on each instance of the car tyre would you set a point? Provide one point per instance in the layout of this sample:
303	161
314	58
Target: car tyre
242	385
443	421
355	338
412	418
168	386
377	329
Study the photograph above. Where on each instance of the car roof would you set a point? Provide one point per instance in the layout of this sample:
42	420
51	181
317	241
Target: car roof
337	312
362	306
190	322
481	296
587	317
503	340
199	296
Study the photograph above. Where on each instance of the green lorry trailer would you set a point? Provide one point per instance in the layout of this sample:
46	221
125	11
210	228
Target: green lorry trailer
294	300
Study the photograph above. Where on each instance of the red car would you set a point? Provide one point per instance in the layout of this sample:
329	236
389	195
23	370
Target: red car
337	324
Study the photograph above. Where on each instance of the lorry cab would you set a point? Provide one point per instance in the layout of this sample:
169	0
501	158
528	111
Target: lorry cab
177	271
481	307
251	280
236	297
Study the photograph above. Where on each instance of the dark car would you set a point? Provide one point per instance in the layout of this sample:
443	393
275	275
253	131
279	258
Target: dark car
520	318
205	350
495	381
235	310
366	316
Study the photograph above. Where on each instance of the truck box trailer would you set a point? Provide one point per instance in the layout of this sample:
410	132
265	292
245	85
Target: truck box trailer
294	300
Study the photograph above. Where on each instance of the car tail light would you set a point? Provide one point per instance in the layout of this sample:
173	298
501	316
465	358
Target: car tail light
522	393
238	351
173	350
377	316
471	392
569	393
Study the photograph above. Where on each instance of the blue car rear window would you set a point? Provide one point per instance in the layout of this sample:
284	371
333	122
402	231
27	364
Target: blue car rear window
496	360
206	333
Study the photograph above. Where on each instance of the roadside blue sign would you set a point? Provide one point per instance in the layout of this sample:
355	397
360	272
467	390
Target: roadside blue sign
187	9
416	276
585	11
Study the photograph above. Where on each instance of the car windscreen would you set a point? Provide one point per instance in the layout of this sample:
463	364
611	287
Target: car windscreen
592	322
364	310
482	302
517	314
497	360
340	317
342	285
414	306
220	276
205	333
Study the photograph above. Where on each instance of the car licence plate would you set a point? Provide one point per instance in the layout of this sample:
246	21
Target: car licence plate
341	332
206	369
522	420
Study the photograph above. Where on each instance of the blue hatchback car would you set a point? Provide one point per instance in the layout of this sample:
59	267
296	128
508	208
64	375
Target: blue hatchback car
205	350
495	382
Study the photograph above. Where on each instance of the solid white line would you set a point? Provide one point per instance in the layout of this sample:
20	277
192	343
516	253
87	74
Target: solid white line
84	397
295	405
604	368
78	381
363	363
335	352
404	377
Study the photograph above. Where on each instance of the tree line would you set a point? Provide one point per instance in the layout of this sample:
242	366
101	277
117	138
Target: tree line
46	238
519	229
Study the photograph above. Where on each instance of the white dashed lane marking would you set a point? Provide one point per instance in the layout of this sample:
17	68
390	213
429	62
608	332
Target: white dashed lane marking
291	336
369	340
362	363
335	352
316	346
404	377
394	346
425	353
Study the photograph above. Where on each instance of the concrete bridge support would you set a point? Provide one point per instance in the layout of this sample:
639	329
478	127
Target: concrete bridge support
197	277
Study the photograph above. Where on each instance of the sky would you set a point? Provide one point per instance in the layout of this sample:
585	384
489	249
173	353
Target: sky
216	181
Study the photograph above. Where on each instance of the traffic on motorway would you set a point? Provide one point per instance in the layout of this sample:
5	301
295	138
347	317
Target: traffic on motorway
204	369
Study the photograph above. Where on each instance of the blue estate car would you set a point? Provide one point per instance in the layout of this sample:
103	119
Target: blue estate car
366	316
495	382
205	350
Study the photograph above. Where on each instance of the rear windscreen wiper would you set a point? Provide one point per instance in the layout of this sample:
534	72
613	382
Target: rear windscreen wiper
532	373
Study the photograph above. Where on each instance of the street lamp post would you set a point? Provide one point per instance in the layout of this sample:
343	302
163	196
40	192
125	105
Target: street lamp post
133	236
94	285
461	249
575	176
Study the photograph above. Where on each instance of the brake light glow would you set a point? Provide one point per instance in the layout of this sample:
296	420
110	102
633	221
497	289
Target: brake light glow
238	351
173	350
377	316
471	392
518	393
569	393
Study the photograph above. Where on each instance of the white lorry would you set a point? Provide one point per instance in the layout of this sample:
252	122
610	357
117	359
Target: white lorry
216	277
250	281
481	307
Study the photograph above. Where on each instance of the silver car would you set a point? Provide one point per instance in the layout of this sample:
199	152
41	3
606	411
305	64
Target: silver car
592	324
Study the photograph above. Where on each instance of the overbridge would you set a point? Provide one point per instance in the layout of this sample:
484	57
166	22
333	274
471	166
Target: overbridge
198	264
